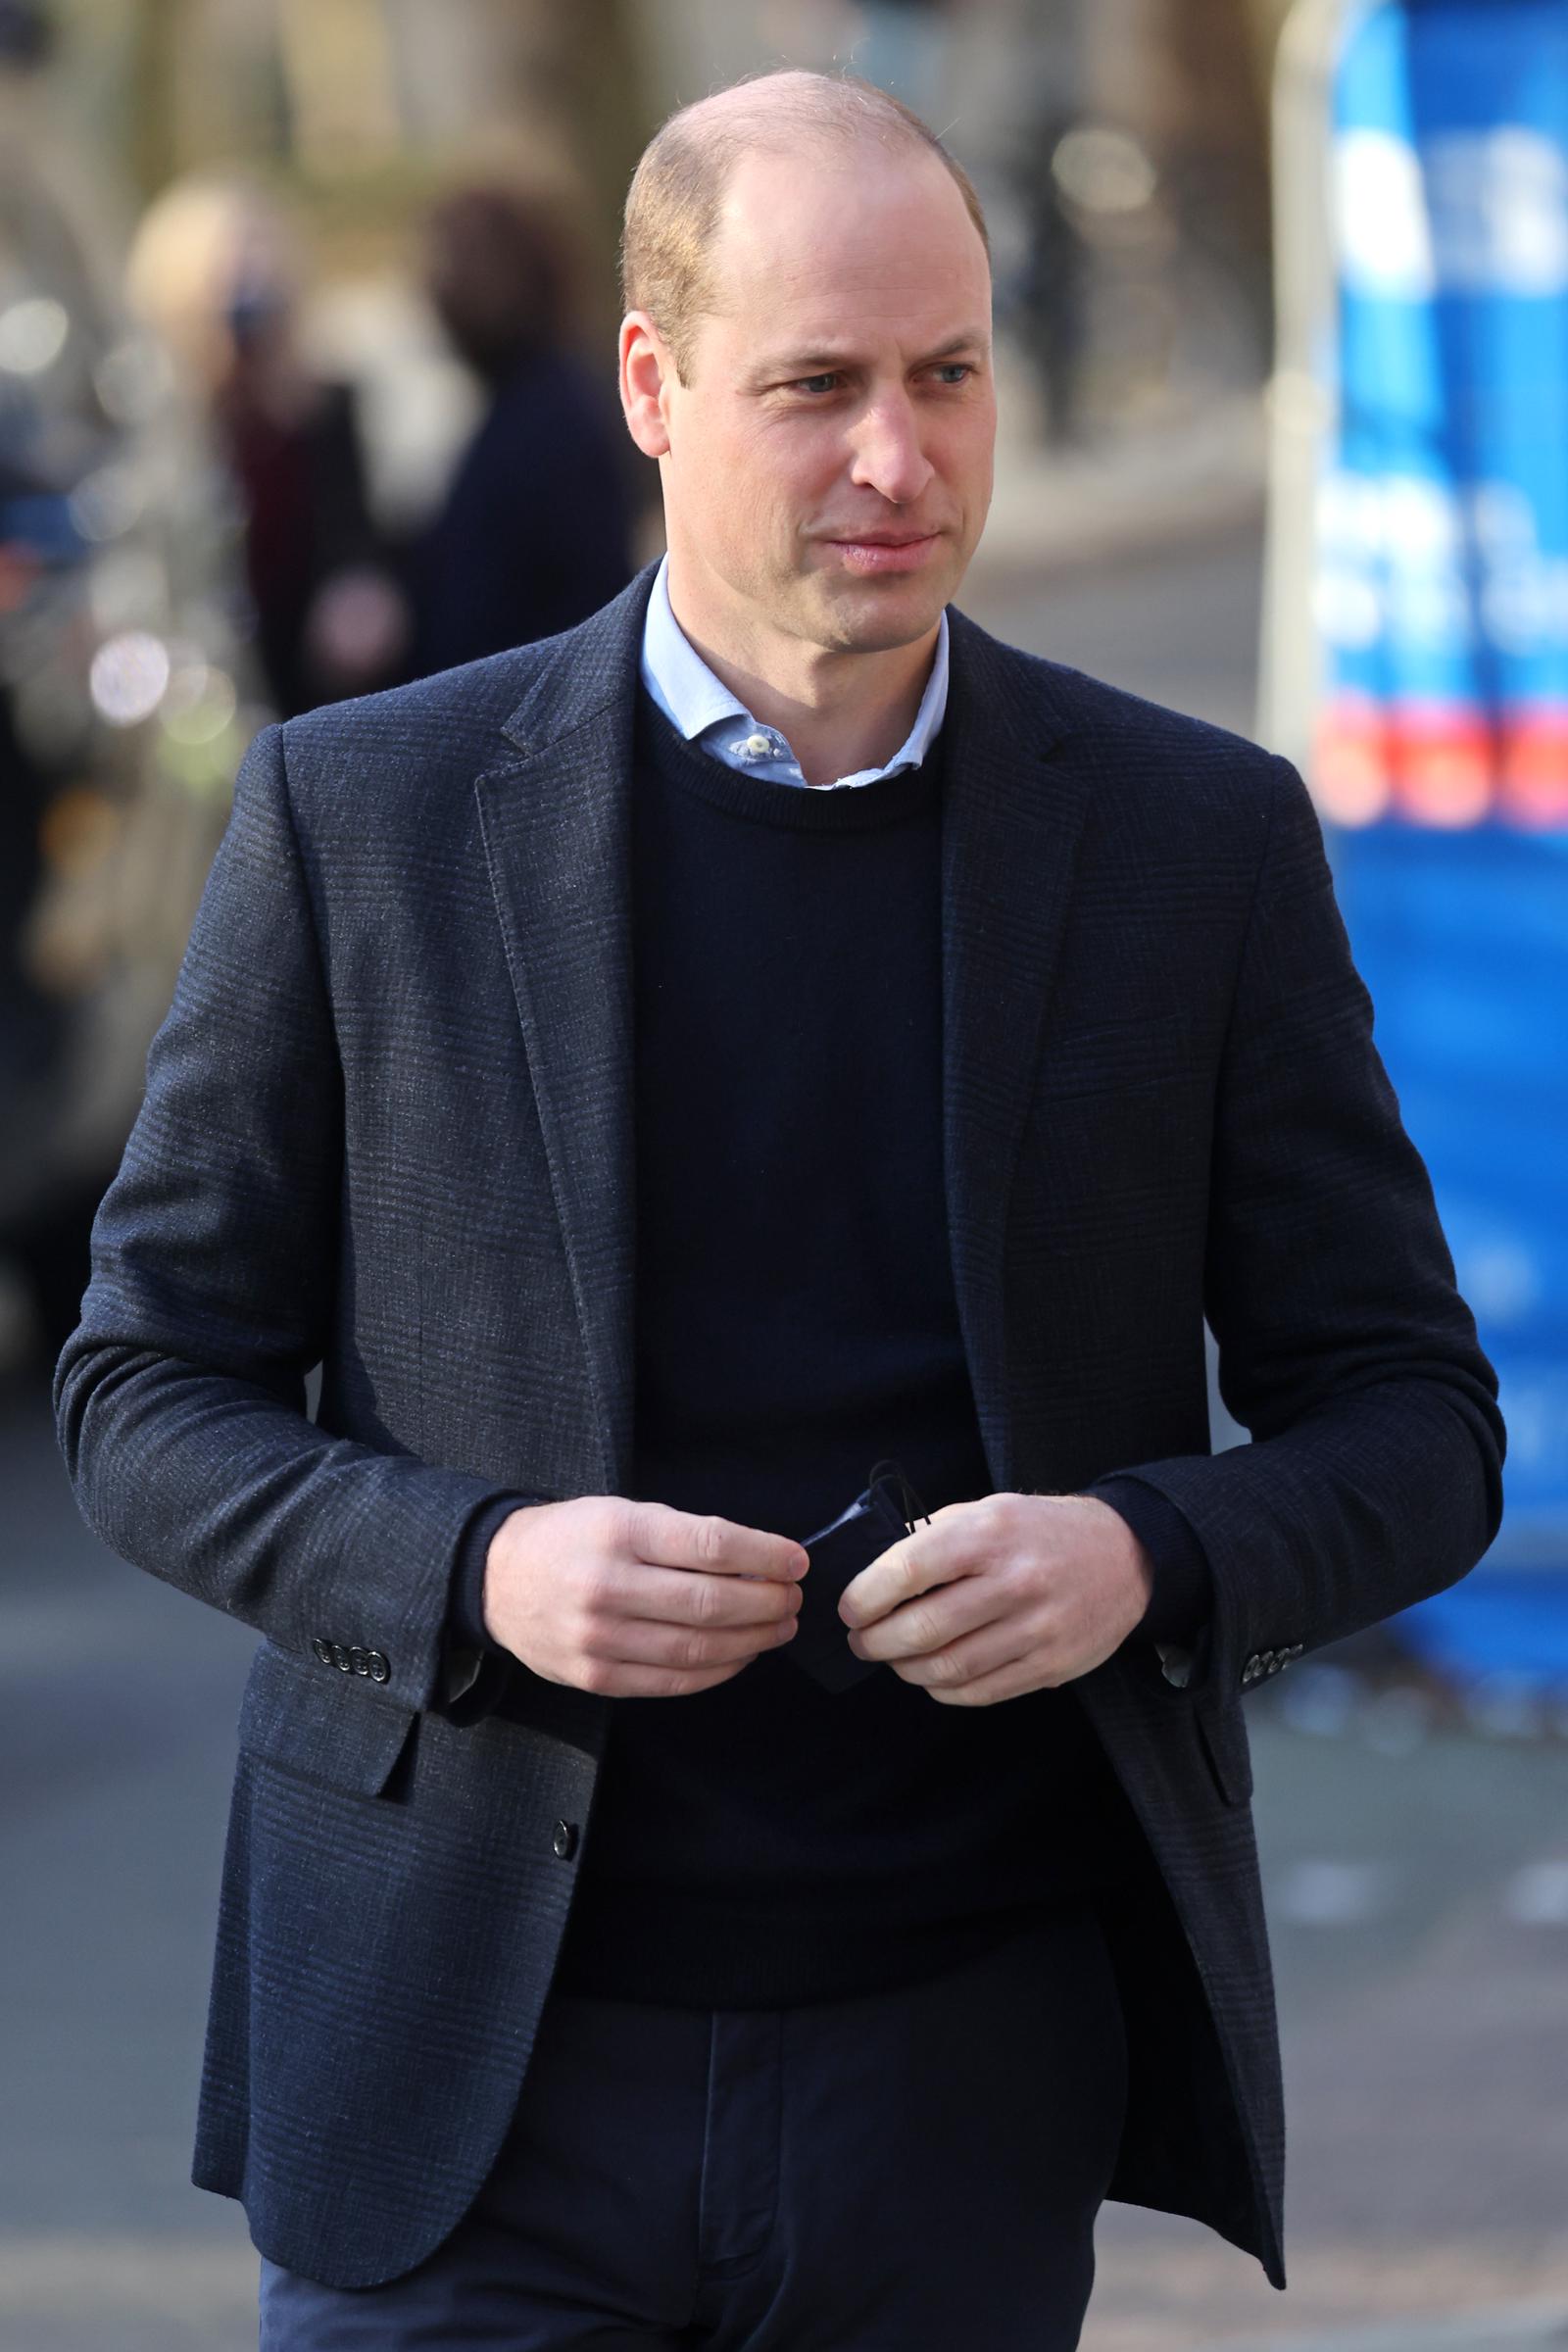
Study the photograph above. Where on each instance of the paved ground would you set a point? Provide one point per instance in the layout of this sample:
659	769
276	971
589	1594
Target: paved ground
1417	1887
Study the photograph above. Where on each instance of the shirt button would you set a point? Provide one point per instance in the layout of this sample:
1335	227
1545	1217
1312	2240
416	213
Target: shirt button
563	1840
756	747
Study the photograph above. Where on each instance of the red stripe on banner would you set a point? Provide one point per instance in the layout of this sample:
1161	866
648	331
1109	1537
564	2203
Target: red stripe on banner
1446	766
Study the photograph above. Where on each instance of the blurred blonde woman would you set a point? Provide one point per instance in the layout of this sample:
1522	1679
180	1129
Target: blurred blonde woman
215	270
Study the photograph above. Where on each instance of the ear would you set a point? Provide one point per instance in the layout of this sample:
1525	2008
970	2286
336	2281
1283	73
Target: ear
647	375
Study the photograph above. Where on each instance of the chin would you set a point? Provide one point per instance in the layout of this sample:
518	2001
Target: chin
877	615
881	632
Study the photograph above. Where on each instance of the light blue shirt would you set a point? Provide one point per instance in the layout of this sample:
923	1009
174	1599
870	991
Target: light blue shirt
705	712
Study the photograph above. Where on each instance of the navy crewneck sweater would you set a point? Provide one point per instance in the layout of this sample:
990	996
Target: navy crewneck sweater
763	1842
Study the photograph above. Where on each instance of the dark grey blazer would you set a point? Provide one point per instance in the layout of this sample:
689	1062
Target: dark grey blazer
388	1129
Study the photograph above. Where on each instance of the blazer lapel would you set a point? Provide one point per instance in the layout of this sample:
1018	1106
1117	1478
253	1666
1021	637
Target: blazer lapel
1013	812
557	826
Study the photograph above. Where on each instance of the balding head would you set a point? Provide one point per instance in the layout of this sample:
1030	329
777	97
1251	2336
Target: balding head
675	202
807	352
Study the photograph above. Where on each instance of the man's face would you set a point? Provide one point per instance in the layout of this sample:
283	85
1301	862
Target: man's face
828	465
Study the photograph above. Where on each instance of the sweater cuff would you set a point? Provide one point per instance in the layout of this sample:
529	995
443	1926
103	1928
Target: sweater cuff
1183	1598
466	1625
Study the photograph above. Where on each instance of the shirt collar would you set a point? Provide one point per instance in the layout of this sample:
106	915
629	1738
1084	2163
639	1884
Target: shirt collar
698	703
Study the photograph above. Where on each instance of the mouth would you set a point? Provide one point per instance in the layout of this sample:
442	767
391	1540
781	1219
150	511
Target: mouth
878	552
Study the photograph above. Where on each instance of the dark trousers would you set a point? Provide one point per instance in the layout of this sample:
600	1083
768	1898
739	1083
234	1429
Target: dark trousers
905	2171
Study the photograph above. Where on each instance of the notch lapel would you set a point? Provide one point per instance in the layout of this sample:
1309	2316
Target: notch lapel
557	829
1013	812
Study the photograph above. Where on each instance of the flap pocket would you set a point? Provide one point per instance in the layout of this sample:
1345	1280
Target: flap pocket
324	1725
1223	1732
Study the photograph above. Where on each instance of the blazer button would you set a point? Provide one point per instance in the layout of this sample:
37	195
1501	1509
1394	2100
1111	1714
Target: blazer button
377	1667
322	1650
564	1839
341	1658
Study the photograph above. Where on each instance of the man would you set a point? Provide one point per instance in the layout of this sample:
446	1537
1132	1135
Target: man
656	1074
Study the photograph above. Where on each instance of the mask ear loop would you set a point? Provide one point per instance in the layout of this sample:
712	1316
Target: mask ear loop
910	1505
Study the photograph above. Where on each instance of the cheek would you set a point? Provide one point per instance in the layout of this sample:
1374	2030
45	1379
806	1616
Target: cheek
734	472
774	480
961	441
964	456
752	487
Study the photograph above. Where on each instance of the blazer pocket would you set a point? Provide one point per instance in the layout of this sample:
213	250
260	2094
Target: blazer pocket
1222	1731
329	1727
1097	1057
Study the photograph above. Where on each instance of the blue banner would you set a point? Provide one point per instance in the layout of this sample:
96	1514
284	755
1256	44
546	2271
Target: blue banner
1441	763
1442	594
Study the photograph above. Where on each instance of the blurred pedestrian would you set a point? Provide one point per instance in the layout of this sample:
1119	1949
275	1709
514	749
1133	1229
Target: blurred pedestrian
1052	287
772	1027
535	532
215	268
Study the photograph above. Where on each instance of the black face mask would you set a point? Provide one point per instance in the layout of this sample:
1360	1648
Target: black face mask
880	1516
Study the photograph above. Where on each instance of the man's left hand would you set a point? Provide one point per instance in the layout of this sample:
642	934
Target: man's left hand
992	1599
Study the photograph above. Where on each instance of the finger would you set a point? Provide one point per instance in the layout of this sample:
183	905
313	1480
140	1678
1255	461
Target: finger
1012	1681
677	1596
689	1649
932	1621
666	1537
968	1659
932	1555
661	1681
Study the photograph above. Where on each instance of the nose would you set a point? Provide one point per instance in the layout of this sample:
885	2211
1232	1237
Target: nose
887	456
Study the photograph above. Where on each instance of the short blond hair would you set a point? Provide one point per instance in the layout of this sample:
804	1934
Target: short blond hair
673	203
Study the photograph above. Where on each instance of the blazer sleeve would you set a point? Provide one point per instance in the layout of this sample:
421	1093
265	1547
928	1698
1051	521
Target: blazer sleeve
1374	1478
179	1400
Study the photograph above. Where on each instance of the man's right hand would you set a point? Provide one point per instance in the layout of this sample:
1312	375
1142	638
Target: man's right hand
638	1599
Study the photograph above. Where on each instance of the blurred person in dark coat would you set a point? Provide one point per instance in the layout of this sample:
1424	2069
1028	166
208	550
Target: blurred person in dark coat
535	531
216	269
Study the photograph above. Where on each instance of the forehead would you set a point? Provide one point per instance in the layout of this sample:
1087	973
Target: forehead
840	235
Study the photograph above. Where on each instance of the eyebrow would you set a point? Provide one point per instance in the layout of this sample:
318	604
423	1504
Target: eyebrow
826	362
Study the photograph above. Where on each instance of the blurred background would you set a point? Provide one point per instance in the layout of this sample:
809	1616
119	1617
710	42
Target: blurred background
307	314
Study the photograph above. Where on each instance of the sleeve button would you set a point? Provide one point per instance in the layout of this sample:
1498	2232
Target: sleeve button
322	1650
377	1667
563	1840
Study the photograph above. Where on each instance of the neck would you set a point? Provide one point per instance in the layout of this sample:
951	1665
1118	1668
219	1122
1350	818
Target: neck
841	712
